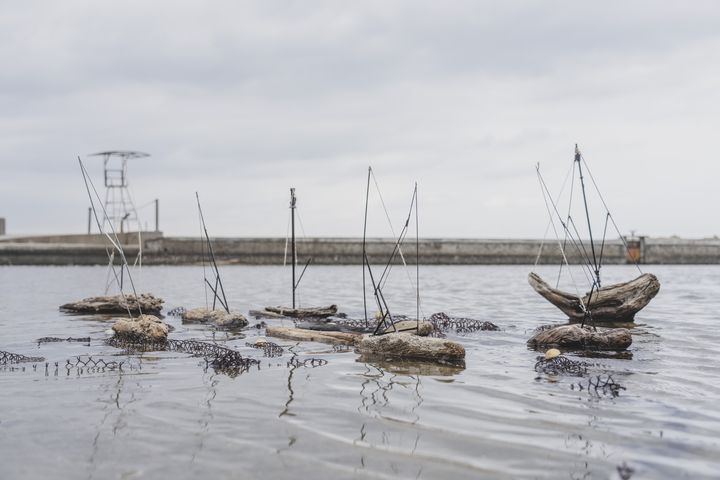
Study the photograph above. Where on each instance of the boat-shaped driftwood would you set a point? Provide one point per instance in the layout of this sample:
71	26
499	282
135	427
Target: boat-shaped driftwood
613	303
143	303
313	312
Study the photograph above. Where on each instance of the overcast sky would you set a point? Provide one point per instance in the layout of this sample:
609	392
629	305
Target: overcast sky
242	100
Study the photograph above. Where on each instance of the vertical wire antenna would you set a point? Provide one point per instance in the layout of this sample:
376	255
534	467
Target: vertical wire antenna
364	248
202	257
587	215
292	242
417	260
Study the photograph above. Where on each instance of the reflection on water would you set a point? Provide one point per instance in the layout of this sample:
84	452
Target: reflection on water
323	412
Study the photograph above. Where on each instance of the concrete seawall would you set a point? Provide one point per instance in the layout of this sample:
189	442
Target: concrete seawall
159	250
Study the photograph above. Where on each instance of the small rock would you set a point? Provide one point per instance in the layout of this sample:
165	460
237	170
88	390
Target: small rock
261	342
552	353
147	328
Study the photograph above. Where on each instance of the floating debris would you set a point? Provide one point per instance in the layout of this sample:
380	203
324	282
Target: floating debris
7	358
561	365
599	385
443	323
57	339
342	348
177	311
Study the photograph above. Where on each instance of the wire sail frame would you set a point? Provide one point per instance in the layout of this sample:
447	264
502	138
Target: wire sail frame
217	286
112	237
591	258
386	321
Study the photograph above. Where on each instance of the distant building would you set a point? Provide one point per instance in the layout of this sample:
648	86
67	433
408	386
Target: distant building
2	226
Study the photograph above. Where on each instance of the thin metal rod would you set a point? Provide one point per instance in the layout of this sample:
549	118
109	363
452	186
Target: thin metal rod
309	261
212	258
292	242
116	243
364	247
417	259
587	214
157	214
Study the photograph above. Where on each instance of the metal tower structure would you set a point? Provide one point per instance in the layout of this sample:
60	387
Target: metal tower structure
119	205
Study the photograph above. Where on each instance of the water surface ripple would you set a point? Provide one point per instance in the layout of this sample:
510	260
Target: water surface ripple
167	416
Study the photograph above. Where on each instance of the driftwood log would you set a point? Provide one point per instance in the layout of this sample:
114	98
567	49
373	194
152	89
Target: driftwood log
613	303
575	336
146	302
314	312
411	347
304	335
219	318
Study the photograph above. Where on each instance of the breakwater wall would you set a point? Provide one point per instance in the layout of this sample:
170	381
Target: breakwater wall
160	250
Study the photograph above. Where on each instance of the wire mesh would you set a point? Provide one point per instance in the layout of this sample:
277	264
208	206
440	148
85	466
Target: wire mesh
443	323
8	358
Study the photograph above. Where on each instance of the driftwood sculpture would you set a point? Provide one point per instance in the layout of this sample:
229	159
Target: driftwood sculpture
575	336
146	302
315	312
613	303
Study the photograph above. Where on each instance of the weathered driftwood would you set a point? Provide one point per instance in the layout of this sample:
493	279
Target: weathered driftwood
407	346
303	335
264	314
575	336
116	304
219	318
145	328
613	303
411	326
313	312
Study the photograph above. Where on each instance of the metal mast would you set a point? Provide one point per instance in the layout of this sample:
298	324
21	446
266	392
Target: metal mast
292	227
578	157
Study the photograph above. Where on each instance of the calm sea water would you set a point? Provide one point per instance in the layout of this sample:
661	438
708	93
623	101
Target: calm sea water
167	416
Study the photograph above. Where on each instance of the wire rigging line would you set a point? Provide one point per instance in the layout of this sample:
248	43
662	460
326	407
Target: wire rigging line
546	192
115	242
607	210
547	228
562	250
